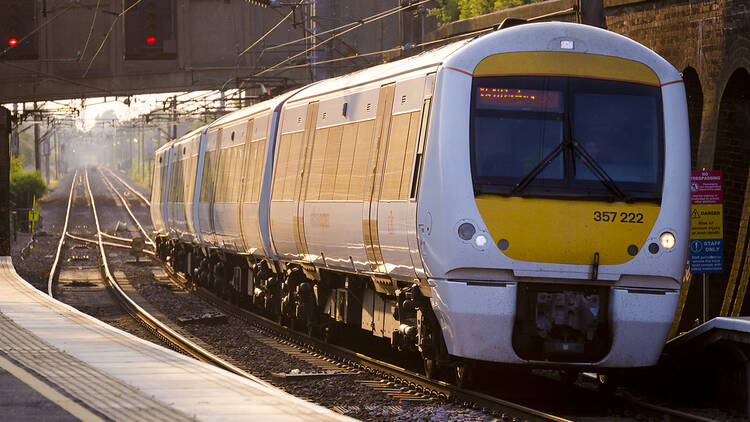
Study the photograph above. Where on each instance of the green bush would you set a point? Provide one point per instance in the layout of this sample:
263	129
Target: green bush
451	10
24	186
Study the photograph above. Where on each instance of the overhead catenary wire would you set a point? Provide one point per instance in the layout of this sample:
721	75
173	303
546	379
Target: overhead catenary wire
271	30
346	25
111	27
351	26
91	30
359	24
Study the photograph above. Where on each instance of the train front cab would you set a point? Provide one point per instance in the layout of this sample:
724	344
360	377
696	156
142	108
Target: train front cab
569	245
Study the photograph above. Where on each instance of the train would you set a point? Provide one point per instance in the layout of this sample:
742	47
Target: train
520	197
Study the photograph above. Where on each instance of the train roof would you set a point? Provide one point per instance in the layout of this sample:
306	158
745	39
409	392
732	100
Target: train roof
547	36
190	135
260	107
428	59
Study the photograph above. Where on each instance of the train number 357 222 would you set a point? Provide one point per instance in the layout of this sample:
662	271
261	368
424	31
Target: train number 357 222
615	217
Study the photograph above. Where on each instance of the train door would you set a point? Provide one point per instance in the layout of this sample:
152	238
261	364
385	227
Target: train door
416	176
300	190
374	180
198	185
246	179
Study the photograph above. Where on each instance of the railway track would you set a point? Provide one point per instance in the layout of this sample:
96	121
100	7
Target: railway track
158	328
502	409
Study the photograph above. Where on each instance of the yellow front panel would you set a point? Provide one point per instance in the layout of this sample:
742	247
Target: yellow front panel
567	231
556	63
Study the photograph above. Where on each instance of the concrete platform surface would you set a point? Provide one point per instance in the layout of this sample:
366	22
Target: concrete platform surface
59	364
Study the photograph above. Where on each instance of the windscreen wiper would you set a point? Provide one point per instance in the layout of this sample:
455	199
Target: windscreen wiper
537	170
598	171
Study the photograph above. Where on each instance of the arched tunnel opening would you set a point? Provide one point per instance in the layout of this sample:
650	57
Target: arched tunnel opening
732	157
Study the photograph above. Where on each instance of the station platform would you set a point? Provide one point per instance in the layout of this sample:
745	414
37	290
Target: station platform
58	364
712	362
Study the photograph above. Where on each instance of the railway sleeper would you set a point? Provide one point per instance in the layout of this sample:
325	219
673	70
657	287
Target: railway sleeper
322	302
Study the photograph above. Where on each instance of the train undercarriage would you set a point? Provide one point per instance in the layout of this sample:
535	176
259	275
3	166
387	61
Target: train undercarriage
323	303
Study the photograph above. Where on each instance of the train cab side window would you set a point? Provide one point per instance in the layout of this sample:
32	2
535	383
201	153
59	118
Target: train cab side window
418	159
406	166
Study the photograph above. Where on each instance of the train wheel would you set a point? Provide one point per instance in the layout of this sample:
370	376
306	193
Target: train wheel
430	368
607	384
568	376
435	371
465	374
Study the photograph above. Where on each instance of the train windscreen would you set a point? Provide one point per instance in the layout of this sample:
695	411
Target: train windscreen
565	136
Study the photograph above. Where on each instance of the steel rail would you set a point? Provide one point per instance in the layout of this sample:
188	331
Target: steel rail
138	194
116	245
53	270
504	408
113	237
127	208
159	328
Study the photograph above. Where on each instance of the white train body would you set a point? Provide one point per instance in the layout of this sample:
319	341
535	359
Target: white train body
530	186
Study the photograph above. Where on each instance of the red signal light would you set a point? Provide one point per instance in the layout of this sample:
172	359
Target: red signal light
151	40
12	41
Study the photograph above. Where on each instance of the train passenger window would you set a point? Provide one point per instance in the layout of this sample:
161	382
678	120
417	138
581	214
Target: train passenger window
281	166
346	159
361	157
295	165
260	148
250	169
394	159
316	164
330	166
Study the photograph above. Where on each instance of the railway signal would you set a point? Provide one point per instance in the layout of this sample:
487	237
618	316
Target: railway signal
150	32
18	22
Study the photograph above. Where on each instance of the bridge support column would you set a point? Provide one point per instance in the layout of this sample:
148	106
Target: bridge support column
4	182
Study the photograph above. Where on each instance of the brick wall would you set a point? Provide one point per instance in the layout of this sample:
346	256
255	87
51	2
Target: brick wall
711	40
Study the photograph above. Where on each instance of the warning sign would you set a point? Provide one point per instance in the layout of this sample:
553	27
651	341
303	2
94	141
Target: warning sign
706	222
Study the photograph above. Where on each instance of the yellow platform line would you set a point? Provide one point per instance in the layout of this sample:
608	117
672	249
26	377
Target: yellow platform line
49	393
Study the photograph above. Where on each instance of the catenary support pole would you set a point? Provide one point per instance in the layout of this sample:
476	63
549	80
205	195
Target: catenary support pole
4	182
37	157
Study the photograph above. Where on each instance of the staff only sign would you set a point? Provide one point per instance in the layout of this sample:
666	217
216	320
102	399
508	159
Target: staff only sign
707	222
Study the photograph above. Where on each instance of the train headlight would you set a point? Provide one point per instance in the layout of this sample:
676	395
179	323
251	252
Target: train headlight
466	231
667	240
480	240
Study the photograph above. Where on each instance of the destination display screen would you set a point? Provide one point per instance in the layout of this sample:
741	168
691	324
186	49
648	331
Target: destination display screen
519	99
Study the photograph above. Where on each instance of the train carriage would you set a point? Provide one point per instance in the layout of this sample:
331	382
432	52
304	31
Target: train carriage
520	197
160	188
182	187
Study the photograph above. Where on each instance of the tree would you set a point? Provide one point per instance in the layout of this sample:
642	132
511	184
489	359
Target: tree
451	10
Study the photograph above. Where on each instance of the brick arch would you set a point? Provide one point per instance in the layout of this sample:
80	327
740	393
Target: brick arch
732	157
694	92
